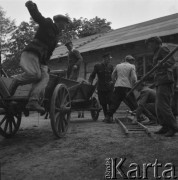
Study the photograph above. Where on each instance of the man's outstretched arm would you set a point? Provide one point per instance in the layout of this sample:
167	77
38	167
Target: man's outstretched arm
34	12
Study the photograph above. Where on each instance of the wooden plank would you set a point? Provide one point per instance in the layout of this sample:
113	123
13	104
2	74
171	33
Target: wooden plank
122	126
144	127
21	90
153	70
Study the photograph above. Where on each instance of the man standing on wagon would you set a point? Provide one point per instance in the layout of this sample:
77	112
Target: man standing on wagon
36	54
74	62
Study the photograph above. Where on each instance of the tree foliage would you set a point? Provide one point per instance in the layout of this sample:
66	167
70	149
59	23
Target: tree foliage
83	27
20	37
6	26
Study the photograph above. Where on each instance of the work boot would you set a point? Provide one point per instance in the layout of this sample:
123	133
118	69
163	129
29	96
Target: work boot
79	115
163	130
104	120
2	111
149	123
34	106
82	114
170	133
108	119
13	87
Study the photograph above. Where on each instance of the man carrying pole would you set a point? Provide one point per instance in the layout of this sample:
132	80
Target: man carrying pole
164	81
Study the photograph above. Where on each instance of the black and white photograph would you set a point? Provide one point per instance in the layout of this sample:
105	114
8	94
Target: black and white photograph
88	89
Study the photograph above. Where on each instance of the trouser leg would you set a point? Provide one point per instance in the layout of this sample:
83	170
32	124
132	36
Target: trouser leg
118	96
164	94
149	111
31	67
102	96
104	107
38	89
74	74
131	102
32	73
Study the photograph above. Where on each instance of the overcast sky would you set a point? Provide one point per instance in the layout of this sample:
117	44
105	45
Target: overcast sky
120	13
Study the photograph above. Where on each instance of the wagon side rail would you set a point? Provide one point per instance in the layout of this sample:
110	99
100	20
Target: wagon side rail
81	92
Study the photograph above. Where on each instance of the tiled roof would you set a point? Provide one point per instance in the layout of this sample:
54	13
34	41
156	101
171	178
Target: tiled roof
61	51
161	27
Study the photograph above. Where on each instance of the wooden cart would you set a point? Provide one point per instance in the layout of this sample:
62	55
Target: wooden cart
61	97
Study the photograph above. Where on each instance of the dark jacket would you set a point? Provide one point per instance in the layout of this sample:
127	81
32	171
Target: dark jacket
46	37
164	74
74	58
104	76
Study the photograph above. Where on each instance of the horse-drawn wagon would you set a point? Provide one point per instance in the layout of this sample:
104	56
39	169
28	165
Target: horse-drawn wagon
61	97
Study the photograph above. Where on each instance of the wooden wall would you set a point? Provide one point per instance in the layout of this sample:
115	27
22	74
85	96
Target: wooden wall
136	49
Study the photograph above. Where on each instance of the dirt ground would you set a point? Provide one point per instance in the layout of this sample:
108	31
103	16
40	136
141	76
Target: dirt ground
34	153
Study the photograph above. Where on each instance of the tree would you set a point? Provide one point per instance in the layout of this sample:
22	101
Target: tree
16	43
6	26
83	27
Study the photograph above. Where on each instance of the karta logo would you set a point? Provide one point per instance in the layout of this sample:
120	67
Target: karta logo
116	169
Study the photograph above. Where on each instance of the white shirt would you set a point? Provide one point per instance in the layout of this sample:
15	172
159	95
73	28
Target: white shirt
125	75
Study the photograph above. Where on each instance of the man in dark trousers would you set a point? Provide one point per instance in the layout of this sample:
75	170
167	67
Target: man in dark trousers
74	62
124	76
146	104
36	54
103	71
164	82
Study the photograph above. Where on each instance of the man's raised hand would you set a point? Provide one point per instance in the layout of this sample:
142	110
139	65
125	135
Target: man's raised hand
28	3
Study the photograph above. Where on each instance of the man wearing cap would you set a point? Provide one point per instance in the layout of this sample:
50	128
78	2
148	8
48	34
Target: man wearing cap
164	81
74	61
103	71
36	54
124	76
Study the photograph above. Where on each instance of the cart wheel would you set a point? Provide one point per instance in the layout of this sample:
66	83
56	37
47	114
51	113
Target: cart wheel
9	124
60	110
96	106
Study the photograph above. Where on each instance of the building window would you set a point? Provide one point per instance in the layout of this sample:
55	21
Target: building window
139	67
143	65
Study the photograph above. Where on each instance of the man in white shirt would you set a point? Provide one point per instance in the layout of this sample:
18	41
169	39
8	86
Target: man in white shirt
125	77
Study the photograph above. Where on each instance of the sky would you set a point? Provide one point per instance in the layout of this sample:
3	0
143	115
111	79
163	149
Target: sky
120	13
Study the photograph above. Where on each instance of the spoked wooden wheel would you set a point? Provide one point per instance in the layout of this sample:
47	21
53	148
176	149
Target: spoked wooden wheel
9	124
60	110
95	108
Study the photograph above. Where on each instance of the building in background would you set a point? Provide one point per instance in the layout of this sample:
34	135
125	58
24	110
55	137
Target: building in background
120	42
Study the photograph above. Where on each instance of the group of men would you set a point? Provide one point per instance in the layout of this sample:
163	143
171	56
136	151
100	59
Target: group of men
113	83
